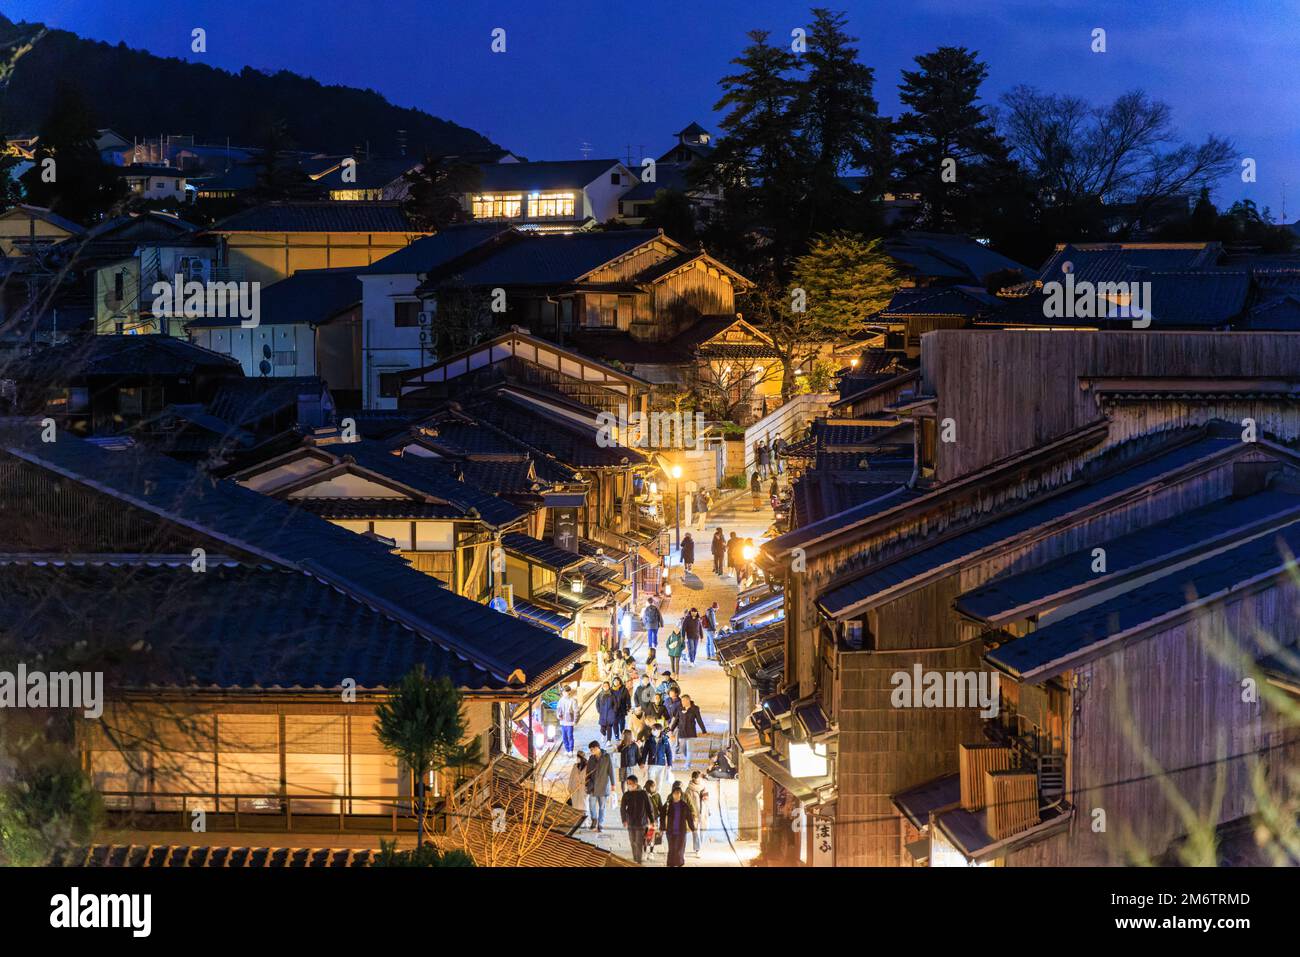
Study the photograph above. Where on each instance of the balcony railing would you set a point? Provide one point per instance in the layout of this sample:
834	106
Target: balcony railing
319	813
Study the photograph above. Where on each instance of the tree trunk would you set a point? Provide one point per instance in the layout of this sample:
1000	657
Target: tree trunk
419	810
787	378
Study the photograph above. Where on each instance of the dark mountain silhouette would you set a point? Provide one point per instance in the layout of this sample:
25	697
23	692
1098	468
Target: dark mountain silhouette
139	94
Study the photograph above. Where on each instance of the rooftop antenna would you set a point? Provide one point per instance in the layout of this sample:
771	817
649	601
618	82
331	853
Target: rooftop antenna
585	150
1284	222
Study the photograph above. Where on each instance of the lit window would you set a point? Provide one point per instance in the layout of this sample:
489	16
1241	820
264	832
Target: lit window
497	205
550	204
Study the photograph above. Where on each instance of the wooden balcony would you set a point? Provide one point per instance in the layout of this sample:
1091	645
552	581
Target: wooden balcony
262	813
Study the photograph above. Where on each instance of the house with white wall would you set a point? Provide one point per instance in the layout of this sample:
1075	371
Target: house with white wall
561	196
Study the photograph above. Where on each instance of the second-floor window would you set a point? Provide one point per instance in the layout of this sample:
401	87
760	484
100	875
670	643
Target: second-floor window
496	205
406	314
550	204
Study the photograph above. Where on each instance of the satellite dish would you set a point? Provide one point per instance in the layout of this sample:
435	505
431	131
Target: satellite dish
266	350
265	367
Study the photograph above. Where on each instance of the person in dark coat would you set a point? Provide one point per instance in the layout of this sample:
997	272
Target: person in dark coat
685	723
762	456
629	759
677	822
622	705
734	556
773	489
600	782
637	812
605	711
688	551
756	490
657	755
693	631
653	621
657	812
719	549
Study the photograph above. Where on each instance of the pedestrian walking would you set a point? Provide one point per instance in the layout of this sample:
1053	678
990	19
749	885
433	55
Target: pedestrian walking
719	549
654	712
693	791
578	781
677	821
756	490
686	723
702	824
734	557
566	712
643	695
747	564
605	711
676	644
600	782
688	551
763	457
657	755
774	490
637	814
653	621
693	631
654	834
673	707
778	455
711	630
622	705
629	756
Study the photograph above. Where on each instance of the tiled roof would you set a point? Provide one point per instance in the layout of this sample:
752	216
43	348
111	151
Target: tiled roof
558	174
817	497
194	855
436	251
258	525
247	401
571	444
1206	299
1155	544
308	296
939	301
369	174
1088	490
544	553
233	627
552	259
317	217
1110	262
119	356
948	256
1047	650
376	508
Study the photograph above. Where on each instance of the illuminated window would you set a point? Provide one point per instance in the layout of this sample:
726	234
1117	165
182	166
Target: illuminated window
497	205
550	204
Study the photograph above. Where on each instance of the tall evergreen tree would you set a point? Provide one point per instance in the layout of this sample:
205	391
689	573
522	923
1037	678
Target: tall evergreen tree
76	184
946	143
434	192
840	121
761	159
279	177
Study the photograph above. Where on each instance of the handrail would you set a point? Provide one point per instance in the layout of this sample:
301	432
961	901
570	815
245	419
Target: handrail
283	805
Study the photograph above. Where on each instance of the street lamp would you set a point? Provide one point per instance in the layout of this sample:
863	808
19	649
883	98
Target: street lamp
676	473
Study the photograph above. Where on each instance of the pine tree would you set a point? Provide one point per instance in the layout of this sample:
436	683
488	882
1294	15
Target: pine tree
435	190
76	184
946	143
840	121
423	726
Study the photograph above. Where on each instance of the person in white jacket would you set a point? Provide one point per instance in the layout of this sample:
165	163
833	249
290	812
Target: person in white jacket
566	710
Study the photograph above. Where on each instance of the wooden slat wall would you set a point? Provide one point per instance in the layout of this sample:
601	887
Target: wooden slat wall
975	761
1012	798
986	381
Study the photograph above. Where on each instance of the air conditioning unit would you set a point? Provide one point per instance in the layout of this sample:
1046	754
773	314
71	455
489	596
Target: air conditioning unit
194	268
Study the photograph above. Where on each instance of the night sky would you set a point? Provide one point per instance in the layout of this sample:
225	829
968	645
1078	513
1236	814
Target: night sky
614	74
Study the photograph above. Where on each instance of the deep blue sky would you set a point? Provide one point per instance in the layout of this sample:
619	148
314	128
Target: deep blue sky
611	74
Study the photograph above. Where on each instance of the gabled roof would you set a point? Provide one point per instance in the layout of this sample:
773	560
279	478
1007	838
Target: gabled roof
947	301
948	256
542	175
1207	299
318	217
550	434
370	173
513	653
416	475
45	215
1219	577
308	296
